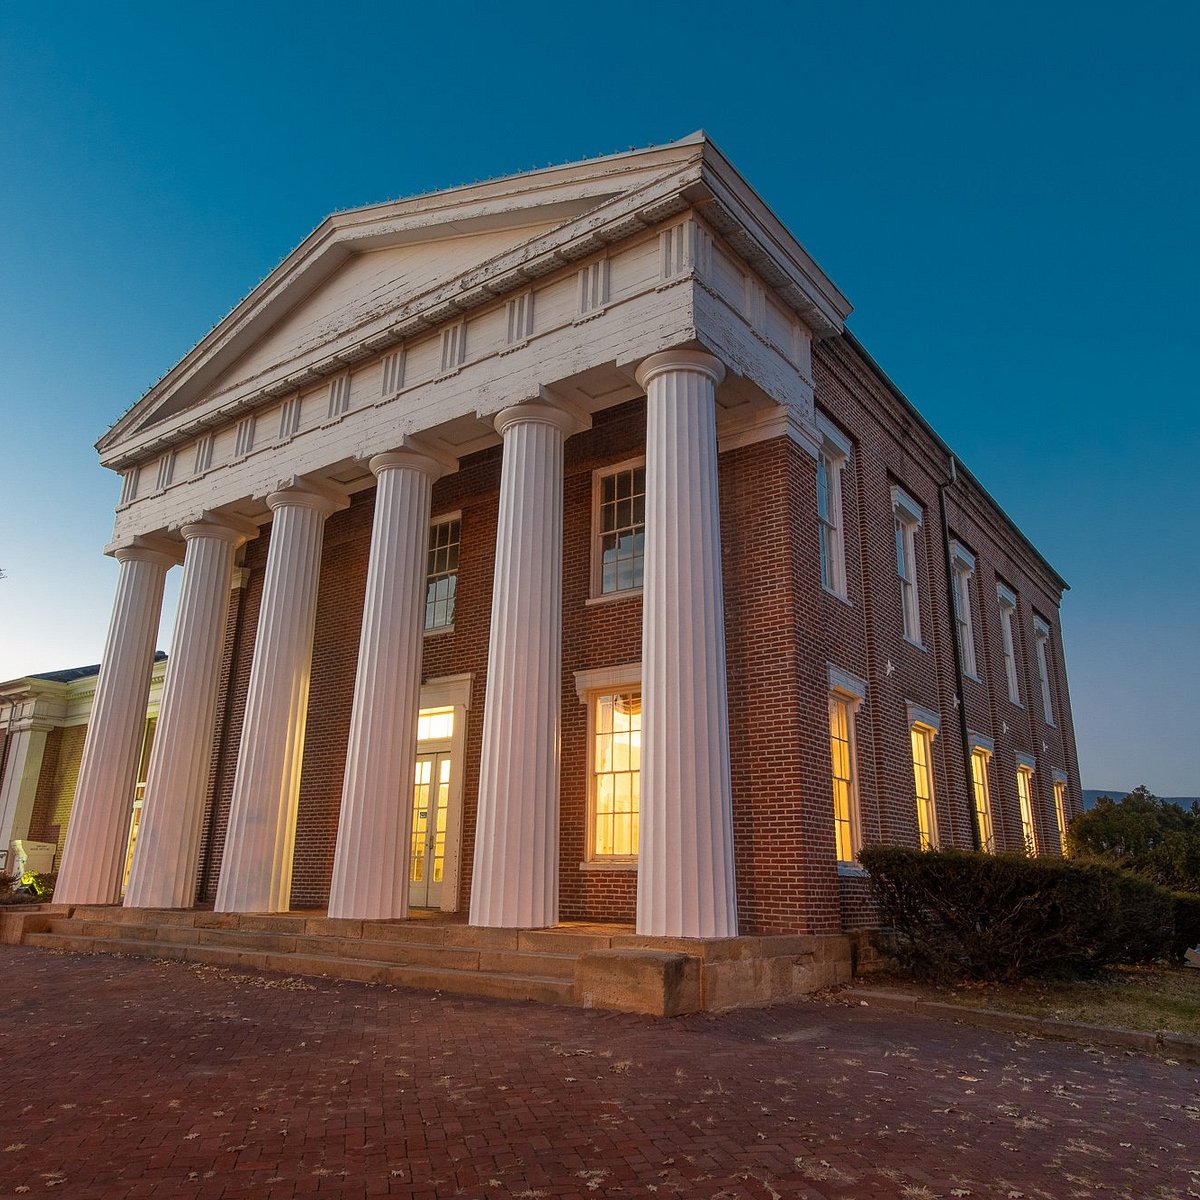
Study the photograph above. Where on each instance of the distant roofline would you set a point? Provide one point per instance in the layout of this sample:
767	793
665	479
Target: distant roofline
74	674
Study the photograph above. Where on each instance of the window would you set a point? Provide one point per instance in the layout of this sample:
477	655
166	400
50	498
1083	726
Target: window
1008	606
442	576
831	461
962	563
1025	796
923	728
616	721
1041	639
619	525
847	823
907	514
1060	808
981	757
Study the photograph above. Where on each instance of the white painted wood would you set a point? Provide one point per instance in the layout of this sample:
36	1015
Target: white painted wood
94	855
25	747
371	860
256	869
167	855
685	863
515	880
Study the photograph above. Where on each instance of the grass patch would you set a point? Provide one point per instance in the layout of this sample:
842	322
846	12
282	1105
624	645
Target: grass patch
1138	997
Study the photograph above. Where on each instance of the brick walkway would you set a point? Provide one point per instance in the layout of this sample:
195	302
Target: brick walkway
125	1078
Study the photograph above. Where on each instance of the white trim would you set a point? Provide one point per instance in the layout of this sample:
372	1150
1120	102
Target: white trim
919	715
607	679
589	686
1006	596
1060	776
1027	760
596	576
906	508
452	691
981	741
832	435
961	555
846	684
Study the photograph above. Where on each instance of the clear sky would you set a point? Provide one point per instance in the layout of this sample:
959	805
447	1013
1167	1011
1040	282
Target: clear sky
1008	194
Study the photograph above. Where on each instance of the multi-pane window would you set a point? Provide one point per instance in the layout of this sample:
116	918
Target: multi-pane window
442	573
1060	810
1008	607
1025	796
907	514
616	772
620	524
846	824
980	758
962	563
1041	638
831	461
922	755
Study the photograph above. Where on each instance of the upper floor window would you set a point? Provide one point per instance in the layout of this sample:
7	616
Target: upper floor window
831	461
962	563
981	757
845	695
923	728
1008	607
442	574
1041	640
619	529
1025	797
907	513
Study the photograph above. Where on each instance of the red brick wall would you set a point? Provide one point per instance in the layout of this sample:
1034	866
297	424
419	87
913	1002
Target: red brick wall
56	785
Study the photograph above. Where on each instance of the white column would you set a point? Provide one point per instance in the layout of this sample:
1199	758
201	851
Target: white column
168	846
685	859
256	869
93	859
23	755
370	864
515	881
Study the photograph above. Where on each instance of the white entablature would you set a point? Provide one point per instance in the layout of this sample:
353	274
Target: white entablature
425	318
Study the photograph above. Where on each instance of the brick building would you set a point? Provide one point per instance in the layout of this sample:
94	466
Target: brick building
569	497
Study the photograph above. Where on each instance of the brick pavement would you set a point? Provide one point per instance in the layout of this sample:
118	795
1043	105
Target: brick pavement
125	1078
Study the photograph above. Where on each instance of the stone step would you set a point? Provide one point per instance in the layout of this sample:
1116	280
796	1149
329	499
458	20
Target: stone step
512	984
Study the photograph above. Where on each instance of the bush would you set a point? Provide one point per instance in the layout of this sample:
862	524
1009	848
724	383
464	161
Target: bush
952	914
1187	924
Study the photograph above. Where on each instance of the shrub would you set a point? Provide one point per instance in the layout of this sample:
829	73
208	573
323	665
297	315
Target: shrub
1187	924
1003	917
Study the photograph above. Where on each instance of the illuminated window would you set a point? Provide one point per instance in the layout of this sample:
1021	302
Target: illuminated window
923	728
962	563
1060	808
831	461
846	822
1008	607
980	759
616	729
619	525
907	514
435	724
1025	796
1041	640
442	577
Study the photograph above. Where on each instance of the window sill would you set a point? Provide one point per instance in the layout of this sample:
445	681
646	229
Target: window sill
847	870
609	597
916	645
619	864
838	596
972	676
437	630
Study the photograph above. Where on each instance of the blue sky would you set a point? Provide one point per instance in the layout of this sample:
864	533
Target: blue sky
1007	194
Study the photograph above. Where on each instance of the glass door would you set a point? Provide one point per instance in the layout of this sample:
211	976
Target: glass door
431	801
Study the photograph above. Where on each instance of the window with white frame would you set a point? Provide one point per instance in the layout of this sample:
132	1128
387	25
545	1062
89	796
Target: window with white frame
616	728
846	694
1008	608
441	583
923	728
831	462
907	514
619	528
962	564
1061	812
1041	640
1029	837
981	758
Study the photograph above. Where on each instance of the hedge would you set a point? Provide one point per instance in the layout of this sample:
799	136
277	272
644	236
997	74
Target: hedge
954	914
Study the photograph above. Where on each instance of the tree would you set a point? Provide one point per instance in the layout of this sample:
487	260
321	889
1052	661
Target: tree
1154	838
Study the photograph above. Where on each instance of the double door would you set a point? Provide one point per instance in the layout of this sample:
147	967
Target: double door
431	806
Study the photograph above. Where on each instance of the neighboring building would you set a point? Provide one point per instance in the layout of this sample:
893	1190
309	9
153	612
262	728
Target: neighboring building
43	722
569	497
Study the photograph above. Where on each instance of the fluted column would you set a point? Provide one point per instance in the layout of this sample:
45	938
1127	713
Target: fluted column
685	858
93	859
371	861
256	869
515	880
24	749
168	845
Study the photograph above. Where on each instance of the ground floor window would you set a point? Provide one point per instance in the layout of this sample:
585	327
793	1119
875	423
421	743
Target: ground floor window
1060	811
616	720
983	799
922	754
1025	796
846	824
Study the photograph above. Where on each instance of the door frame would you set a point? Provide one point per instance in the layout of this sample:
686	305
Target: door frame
451	691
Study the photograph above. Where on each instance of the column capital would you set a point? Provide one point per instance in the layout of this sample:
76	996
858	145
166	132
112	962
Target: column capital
235	530
407	460
159	551
540	413
680	360
303	492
